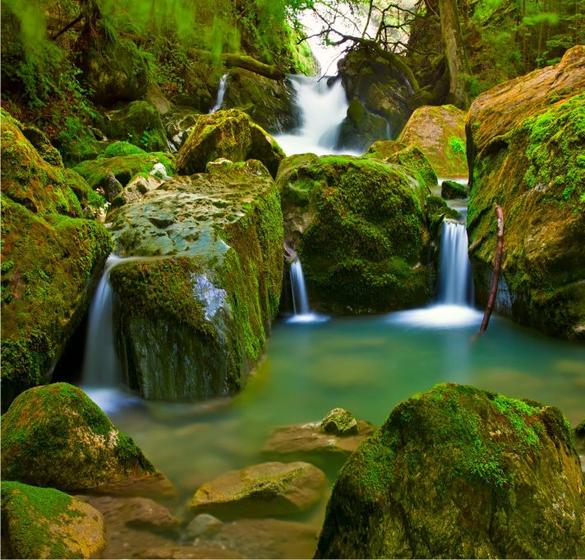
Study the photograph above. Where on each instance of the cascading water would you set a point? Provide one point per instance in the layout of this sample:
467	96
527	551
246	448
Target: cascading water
220	94
301	308
322	109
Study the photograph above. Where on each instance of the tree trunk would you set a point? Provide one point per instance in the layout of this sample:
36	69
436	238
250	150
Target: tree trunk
454	52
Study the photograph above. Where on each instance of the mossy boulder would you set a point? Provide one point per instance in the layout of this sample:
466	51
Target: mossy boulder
51	258
268	101
213	287
263	490
382	81
47	523
340	422
43	145
115	70
138	123
527	140
360	128
452	190
359	228
439	132
229	134
55	435
460	473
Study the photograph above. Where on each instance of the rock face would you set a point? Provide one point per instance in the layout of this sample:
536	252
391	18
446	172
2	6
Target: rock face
452	190
51	258
229	134
269	102
56	436
360	128
359	228
526	141
46	523
213	287
382	81
261	490
460	473
439	132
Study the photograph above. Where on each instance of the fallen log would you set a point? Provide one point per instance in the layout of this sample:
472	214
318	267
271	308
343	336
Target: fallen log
496	272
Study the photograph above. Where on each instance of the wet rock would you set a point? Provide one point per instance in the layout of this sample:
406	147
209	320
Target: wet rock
360	128
51	259
439	132
452	190
202	524
55	435
229	134
172	550
460	472
359	228
261	490
46	523
213	287
178	123
339	422
526	147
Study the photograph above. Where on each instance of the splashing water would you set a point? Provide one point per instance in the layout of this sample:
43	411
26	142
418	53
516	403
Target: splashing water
220	94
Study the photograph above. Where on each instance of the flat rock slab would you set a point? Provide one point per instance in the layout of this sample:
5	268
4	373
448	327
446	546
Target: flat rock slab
261	490
311	441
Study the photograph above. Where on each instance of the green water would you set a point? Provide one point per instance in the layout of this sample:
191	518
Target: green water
366	365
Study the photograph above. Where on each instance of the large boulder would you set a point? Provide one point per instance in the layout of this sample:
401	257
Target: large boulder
360	128
55	435
46	523
460	473
526	140
213	288
359	228
261	490
51	259
269	102
229	134
439	132
382	81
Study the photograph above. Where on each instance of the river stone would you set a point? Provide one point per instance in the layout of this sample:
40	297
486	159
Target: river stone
51	259
439	132
202	524
359	228
209	284
55	435
451	190
526	144
261	490
229	134
458	472
46	523
339	422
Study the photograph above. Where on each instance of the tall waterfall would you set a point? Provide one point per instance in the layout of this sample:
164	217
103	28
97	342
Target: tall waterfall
322	109
455	284
220	94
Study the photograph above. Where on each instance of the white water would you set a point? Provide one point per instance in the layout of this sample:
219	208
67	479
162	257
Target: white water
322	109
454	307
220	94
302	310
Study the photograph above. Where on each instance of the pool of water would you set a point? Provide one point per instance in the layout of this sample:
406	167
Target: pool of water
366	365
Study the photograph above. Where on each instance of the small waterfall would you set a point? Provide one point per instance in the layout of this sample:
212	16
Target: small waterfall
322	109
455	284
220	94
298	289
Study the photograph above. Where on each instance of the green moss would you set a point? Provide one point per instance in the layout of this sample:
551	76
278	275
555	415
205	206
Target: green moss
122	148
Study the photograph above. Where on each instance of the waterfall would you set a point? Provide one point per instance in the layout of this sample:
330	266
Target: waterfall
220	94
298	289
100	363
322	109
455	284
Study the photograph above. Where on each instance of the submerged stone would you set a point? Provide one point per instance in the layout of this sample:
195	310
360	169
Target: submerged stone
46	523
261	490
460	473
55	435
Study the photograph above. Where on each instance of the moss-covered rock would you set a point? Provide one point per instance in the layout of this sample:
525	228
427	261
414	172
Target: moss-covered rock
382	81
440	134
269	102
263	490
51	258
452	190
460	473
43	145
360	128
138	123
527	139
46	523
229	134
55	435
340	422
213	289
359	228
